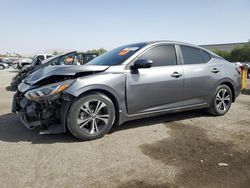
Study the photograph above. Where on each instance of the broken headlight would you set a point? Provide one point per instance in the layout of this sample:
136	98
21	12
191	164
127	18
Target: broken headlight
51	91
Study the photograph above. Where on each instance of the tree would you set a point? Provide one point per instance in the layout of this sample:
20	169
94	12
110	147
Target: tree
18	55
226	55
241	54
55	53
99	51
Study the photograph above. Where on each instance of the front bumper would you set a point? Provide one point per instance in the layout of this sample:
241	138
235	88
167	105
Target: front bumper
49	118
26	123
26	110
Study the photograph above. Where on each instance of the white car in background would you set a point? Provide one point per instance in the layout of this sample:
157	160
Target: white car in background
3	66
35	60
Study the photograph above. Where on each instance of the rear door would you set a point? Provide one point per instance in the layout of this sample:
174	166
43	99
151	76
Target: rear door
200	73
159	87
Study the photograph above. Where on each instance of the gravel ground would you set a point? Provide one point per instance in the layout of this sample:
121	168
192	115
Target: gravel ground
175	150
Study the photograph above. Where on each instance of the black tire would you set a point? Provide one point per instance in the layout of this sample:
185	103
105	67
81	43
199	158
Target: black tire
76	112
2	67
217	107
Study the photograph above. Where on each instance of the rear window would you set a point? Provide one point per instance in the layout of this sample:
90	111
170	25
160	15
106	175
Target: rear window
191	55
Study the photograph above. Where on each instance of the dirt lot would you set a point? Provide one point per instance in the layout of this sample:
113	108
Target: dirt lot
175	150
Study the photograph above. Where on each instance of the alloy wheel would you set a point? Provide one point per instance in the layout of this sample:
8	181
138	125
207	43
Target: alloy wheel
93	116
223	100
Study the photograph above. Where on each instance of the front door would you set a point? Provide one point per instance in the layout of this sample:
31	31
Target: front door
159	87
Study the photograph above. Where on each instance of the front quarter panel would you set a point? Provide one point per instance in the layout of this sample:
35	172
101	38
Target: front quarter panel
113	83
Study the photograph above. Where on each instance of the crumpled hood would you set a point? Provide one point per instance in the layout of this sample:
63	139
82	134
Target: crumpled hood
66	70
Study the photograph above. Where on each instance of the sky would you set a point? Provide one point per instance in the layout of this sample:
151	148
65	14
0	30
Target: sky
33	26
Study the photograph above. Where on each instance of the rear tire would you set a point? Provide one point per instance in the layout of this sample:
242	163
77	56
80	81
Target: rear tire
1	67
221	101
91	116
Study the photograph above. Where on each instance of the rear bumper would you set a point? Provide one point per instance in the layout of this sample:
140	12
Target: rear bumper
237	86
237	93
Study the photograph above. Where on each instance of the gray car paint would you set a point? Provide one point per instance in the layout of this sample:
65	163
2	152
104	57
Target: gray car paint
63	70
153	91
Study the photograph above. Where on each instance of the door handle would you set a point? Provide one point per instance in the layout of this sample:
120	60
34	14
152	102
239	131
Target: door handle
176	75
215	70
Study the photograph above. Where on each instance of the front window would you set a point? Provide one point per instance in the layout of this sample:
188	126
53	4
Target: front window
163	55
117	56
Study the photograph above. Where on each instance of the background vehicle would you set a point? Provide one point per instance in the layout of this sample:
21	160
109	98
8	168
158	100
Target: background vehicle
70	58
129	82
35	60
21	62
3	66
6	61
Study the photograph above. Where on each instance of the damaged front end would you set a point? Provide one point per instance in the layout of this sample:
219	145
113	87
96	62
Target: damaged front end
42	101
44	107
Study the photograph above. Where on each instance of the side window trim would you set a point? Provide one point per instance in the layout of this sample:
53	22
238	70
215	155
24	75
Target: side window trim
202	51
179	55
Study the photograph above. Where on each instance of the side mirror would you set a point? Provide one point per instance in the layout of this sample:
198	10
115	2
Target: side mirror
142	64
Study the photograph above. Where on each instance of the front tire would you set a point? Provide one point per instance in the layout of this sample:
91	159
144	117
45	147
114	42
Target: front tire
91	116
221	101
2	67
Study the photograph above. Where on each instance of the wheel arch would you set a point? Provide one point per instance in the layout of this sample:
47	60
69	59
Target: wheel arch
108	94
114	97
228	82
230	85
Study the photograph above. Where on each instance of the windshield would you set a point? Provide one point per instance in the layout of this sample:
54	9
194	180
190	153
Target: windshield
117	56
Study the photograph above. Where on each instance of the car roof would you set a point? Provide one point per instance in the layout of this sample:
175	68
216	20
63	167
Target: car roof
182	43
164	41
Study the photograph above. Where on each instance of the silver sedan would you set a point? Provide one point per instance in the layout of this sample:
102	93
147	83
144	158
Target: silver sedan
129	82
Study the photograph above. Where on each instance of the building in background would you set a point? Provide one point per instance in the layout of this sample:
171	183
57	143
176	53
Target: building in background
223	47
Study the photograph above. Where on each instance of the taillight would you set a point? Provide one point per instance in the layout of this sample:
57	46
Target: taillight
239	69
